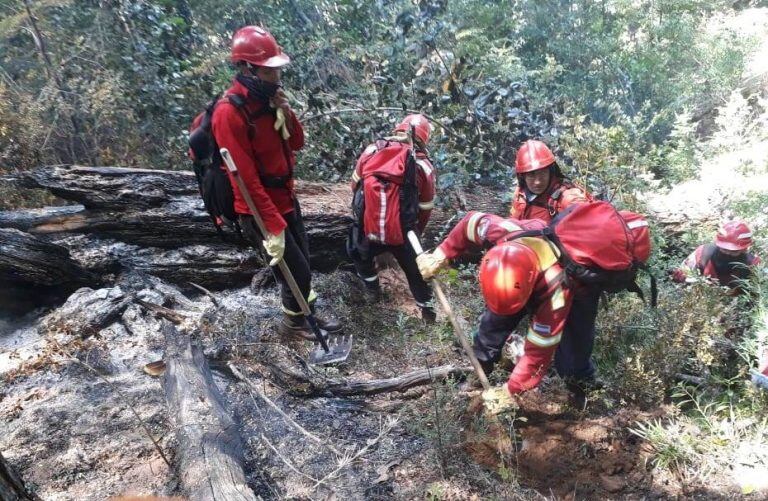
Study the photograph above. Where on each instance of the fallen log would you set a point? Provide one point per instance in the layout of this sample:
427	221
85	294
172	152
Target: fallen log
87	311
210	450
291	372
27	259
34	272
345	388
163	209
154	221
12	486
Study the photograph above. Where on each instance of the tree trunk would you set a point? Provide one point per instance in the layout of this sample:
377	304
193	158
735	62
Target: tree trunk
154	221
27	259
210	450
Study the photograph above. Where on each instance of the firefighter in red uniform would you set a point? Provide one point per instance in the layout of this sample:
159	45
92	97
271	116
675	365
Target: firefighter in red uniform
542	192
516	277
727	260
363	258
262	138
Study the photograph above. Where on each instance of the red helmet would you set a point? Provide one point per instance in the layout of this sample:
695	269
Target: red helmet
257	46
420	123
508	273
734	236
533	155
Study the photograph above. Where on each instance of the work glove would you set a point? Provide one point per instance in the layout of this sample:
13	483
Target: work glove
281	125
430	262
275	247
498	399
280	103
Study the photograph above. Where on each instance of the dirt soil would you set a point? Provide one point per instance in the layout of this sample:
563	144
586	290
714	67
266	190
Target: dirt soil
72	436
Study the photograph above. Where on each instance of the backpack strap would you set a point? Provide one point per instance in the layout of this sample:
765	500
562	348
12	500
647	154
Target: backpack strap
275	182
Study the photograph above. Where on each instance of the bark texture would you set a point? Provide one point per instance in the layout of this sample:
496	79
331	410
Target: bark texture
209	455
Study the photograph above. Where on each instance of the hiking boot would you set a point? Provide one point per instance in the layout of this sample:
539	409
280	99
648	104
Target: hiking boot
428	315
295	327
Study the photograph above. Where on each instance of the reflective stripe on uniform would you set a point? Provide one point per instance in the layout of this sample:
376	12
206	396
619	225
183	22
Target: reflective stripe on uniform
472	226
510	226
425	167
637	224
355	177
544	251
311	299
544	342
558	299
291	313
427	205
382	216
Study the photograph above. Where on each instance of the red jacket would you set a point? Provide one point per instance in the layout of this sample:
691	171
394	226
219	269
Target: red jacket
426	179
548	204
550	301
257	152
700	261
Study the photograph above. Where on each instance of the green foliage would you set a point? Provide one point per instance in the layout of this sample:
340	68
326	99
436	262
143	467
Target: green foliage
604	82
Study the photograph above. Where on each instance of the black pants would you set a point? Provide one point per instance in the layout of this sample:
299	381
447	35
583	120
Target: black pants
406	258
573	358
296	256
492	334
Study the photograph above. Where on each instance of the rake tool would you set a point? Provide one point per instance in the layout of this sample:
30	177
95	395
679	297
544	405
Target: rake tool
327	349
457	330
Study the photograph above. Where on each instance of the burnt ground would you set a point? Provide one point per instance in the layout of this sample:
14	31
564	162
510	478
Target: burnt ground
73	436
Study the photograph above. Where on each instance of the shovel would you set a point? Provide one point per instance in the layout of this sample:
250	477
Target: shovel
457	330
327	349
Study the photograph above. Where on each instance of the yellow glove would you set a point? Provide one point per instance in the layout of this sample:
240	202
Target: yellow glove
275	247
430	262
281	125
498	399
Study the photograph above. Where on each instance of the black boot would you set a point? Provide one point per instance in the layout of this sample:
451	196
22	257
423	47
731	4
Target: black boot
428	315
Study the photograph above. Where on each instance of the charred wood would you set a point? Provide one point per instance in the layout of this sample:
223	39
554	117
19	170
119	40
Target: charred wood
88	311
293	374
27	259
12	486
210	449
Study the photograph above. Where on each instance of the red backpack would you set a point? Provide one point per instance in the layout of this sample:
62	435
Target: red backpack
385	203
600	245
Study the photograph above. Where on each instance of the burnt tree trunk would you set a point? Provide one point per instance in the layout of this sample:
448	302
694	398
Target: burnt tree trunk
210	450
154	221
12	486
33	271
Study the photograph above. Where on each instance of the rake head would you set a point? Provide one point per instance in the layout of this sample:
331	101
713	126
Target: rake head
339	347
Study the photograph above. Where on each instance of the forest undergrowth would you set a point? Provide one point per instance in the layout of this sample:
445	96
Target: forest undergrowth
658	106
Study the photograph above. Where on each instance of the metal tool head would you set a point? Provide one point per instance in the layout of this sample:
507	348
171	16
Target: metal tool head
339	346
